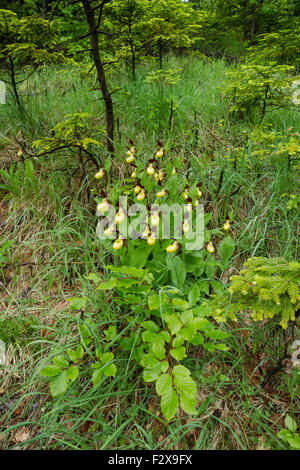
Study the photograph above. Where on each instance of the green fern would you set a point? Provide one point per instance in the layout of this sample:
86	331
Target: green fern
266	288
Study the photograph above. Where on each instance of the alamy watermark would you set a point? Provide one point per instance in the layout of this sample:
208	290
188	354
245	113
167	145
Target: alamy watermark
2	353
163	222
2	92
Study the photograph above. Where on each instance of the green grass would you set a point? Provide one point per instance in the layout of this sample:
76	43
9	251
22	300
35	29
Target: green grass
54	247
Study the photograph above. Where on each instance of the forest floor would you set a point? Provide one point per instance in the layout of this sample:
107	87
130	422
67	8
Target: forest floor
48	217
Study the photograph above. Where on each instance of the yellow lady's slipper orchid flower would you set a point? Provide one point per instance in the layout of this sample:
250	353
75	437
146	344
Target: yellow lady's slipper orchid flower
226	226
161	193
109	231
172	248
151	240
118	244
100	174
146	232
155	220
156	176
186	194
160	153
137	189
130	159
133	174
199	193
141	196
185	227
120	217
150	170
210	247
196	203
102	206
20	153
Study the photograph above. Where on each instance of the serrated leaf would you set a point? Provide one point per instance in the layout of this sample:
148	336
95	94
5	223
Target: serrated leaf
178	353
96	377
149	361
154	302
226	248
50	371
77	303
107	285
60	361
150	325
72	373
163	384
109	370
59	384
290	423
188	403
169	404
180	371
75	355
151	375
185	384
158	348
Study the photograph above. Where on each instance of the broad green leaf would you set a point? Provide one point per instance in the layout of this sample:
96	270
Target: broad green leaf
290	423
75	355
107	285
178	353
154	302
109	370
226	248
185	384
151	375
94	277
180	303
50	371
77	303
180	371
169	404
96	377
72	373
149	361
216	334
61	361
150	325
188	403
106	357
193	295
59	384
173	323
158	348
163	384
188	332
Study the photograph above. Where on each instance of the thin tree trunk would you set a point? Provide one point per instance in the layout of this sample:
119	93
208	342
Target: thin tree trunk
13	82
89	13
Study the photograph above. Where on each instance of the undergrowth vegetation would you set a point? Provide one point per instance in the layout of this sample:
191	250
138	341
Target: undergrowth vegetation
146	343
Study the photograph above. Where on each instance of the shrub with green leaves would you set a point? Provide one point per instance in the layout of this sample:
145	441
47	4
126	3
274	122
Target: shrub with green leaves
159	182
252	87
290	434
267	288
26	44
90	359
282	46
266	146
163	323
158	284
